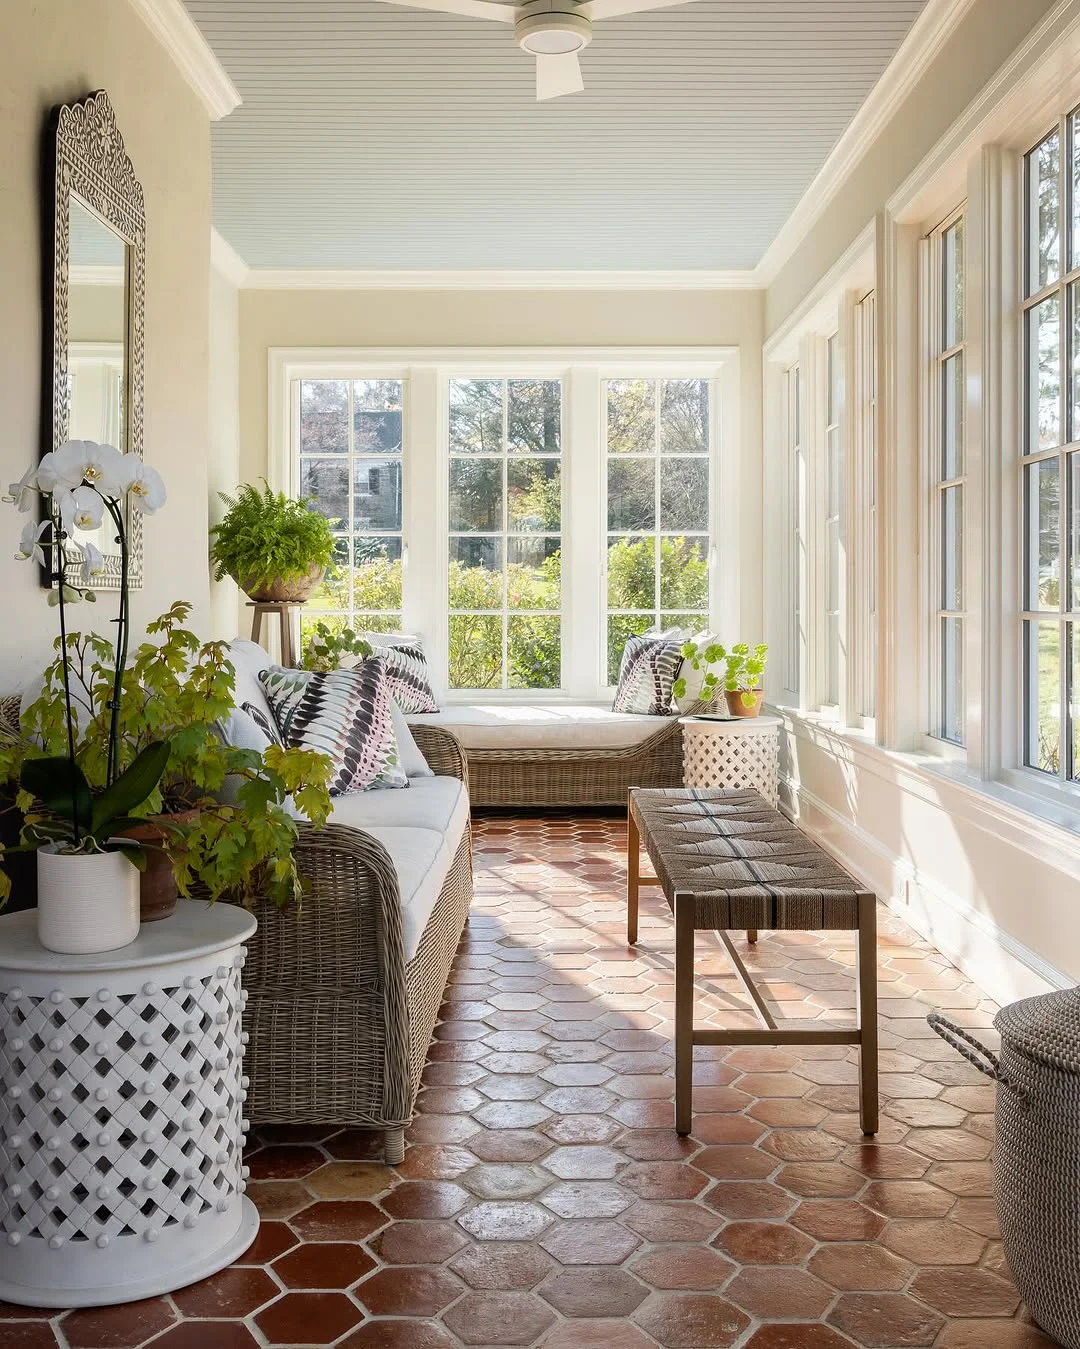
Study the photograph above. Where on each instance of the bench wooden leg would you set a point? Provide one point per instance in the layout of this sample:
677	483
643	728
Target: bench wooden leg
685	912
633	876
866	974
751	935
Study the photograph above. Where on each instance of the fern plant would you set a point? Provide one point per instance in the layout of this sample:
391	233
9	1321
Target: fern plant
266	535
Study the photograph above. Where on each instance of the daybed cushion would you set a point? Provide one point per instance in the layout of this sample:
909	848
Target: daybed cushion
581	726
441	804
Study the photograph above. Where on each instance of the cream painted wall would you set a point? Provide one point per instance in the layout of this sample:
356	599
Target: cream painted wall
515	318
224	464
984	40
53	52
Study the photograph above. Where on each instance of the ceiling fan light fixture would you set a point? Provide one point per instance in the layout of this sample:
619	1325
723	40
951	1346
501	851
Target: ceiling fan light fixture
552	28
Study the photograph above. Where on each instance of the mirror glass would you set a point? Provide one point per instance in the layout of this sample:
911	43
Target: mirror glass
97	355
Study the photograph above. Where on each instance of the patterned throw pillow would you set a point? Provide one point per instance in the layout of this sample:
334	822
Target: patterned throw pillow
344	714
10	728
650	666
407	671
263	722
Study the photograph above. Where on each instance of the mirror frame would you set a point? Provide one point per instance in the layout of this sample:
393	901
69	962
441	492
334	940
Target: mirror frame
85	158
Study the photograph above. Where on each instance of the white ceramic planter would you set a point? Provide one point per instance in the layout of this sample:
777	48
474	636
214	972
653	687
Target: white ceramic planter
86	902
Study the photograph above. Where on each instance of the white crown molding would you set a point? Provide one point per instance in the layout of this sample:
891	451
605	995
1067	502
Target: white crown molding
178	33
930	31
299	278
226	260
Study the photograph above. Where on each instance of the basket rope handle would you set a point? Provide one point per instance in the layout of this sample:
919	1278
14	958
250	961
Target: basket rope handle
972	1049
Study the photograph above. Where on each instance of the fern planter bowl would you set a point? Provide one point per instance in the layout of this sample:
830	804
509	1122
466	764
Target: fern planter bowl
282	590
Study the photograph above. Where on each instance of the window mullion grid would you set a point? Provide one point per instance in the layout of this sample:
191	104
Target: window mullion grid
657	597
350	538
505	532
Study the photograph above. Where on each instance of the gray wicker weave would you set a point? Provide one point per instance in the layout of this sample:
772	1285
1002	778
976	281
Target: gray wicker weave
525	778
1037	1149
339	1023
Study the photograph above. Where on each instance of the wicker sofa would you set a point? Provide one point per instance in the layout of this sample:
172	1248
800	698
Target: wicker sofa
560	755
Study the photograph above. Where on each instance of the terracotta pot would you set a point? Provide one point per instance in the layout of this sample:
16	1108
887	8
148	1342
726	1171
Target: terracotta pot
86	901
280	591
744	702
157	885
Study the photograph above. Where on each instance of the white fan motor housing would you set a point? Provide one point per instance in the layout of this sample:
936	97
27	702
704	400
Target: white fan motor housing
551	28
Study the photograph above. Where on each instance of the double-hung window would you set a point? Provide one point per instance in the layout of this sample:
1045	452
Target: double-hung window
1050	490
865	521
796	488
946	475
351	466
505	533
658	444
833	546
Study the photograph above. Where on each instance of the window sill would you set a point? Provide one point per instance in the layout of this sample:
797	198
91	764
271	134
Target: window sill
1002	808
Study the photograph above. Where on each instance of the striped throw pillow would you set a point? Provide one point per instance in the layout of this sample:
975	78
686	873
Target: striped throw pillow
344	714
647	674
407	671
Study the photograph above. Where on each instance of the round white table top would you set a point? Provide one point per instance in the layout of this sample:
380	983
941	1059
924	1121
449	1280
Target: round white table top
731	725
195	929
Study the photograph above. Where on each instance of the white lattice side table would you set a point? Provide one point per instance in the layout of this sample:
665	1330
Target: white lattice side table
740	753
121	1100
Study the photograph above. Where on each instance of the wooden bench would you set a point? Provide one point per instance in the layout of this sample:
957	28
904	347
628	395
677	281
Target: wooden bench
726	860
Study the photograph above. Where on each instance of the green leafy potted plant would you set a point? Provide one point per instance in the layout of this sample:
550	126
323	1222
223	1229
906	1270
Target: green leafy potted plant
275	548
701	657
215	814
325	647
742	679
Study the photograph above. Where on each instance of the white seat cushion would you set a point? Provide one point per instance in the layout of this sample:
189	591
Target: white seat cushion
551	726
441	804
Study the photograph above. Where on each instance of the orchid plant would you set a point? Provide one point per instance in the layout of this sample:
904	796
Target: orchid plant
77	487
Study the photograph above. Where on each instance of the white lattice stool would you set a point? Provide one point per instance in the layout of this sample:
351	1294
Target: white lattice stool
741	754
121	1102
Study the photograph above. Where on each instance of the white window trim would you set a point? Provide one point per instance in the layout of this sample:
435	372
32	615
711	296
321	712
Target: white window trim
425	372
864	493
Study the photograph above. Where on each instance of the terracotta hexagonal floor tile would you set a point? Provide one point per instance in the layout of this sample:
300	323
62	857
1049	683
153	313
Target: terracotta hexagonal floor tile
798	1336
671	1222
426	1199
117	1327
838	1220
597	1335
338	1220
886	1320
676	1267
655	1145
283	1163
860	1267
398	1335
581	1129
502	1265
418	1243
733	1162
499	1318
933	1243
908	1199
966	1292
191	1335
777	1290
586	1162
978	1214
691	1320
885	1161
509	1145
330	1264
435	1161
349	1180
590	1243
749	1199
274	1239
278	1199
763	1086
977	1334
949	1145
663	1180
820	1180
788	1113
587	1199
973	1180
757	1243
408	1290
512	1087
596	1291
505	1221
506	1180
803	1145
308	1318
233	1292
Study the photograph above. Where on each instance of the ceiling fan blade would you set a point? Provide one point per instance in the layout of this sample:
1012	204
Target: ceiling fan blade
469	9
611	9
558	75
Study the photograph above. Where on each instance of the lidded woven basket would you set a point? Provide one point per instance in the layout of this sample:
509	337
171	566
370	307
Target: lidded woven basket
1037	1149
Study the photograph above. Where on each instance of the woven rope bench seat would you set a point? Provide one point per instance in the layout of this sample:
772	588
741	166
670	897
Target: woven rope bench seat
725	860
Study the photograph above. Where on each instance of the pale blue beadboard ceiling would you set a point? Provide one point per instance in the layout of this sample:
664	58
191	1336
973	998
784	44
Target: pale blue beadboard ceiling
372	136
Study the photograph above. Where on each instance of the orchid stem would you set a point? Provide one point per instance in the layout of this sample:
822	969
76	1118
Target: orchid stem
60	575
121	642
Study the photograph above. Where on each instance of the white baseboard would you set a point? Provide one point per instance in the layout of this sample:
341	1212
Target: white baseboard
995	961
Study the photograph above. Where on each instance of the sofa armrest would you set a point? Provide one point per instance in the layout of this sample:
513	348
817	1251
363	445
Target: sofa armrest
442	750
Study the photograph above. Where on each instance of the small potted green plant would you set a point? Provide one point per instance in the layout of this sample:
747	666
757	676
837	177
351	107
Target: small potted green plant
325	647
274	547
742	679
705	657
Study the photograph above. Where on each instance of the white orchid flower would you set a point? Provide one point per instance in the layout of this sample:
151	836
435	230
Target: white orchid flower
56	474
88	508
144	484
30	549
102	466
93	563
23	493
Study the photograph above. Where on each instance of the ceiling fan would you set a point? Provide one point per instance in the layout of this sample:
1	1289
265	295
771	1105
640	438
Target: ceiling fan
553	31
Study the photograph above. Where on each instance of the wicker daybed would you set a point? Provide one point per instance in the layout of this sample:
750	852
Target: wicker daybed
339	1022
525	766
